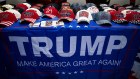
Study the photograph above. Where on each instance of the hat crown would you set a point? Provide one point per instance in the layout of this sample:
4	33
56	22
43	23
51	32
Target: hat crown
102	16
15	12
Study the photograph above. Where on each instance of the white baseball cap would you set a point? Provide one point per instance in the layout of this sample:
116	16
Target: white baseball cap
83	16
93	9
15	12
7	6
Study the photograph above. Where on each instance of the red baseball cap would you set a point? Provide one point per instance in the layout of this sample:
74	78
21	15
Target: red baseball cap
22	6
29	16
67	14
134	17
126	14
118	17
51	12
7	18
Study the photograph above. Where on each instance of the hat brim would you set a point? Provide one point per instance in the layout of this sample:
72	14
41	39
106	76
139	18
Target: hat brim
135	22
30	20
121	21
102	22
6	23
50	15
83	19
66	18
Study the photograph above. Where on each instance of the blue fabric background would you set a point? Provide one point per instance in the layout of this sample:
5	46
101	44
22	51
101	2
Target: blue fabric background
9	53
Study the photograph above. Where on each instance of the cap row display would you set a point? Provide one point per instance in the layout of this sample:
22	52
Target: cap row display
102	14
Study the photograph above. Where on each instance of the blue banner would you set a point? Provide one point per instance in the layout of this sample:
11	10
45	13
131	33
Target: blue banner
68	53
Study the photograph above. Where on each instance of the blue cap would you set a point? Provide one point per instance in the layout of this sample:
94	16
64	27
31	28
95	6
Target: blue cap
103	18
